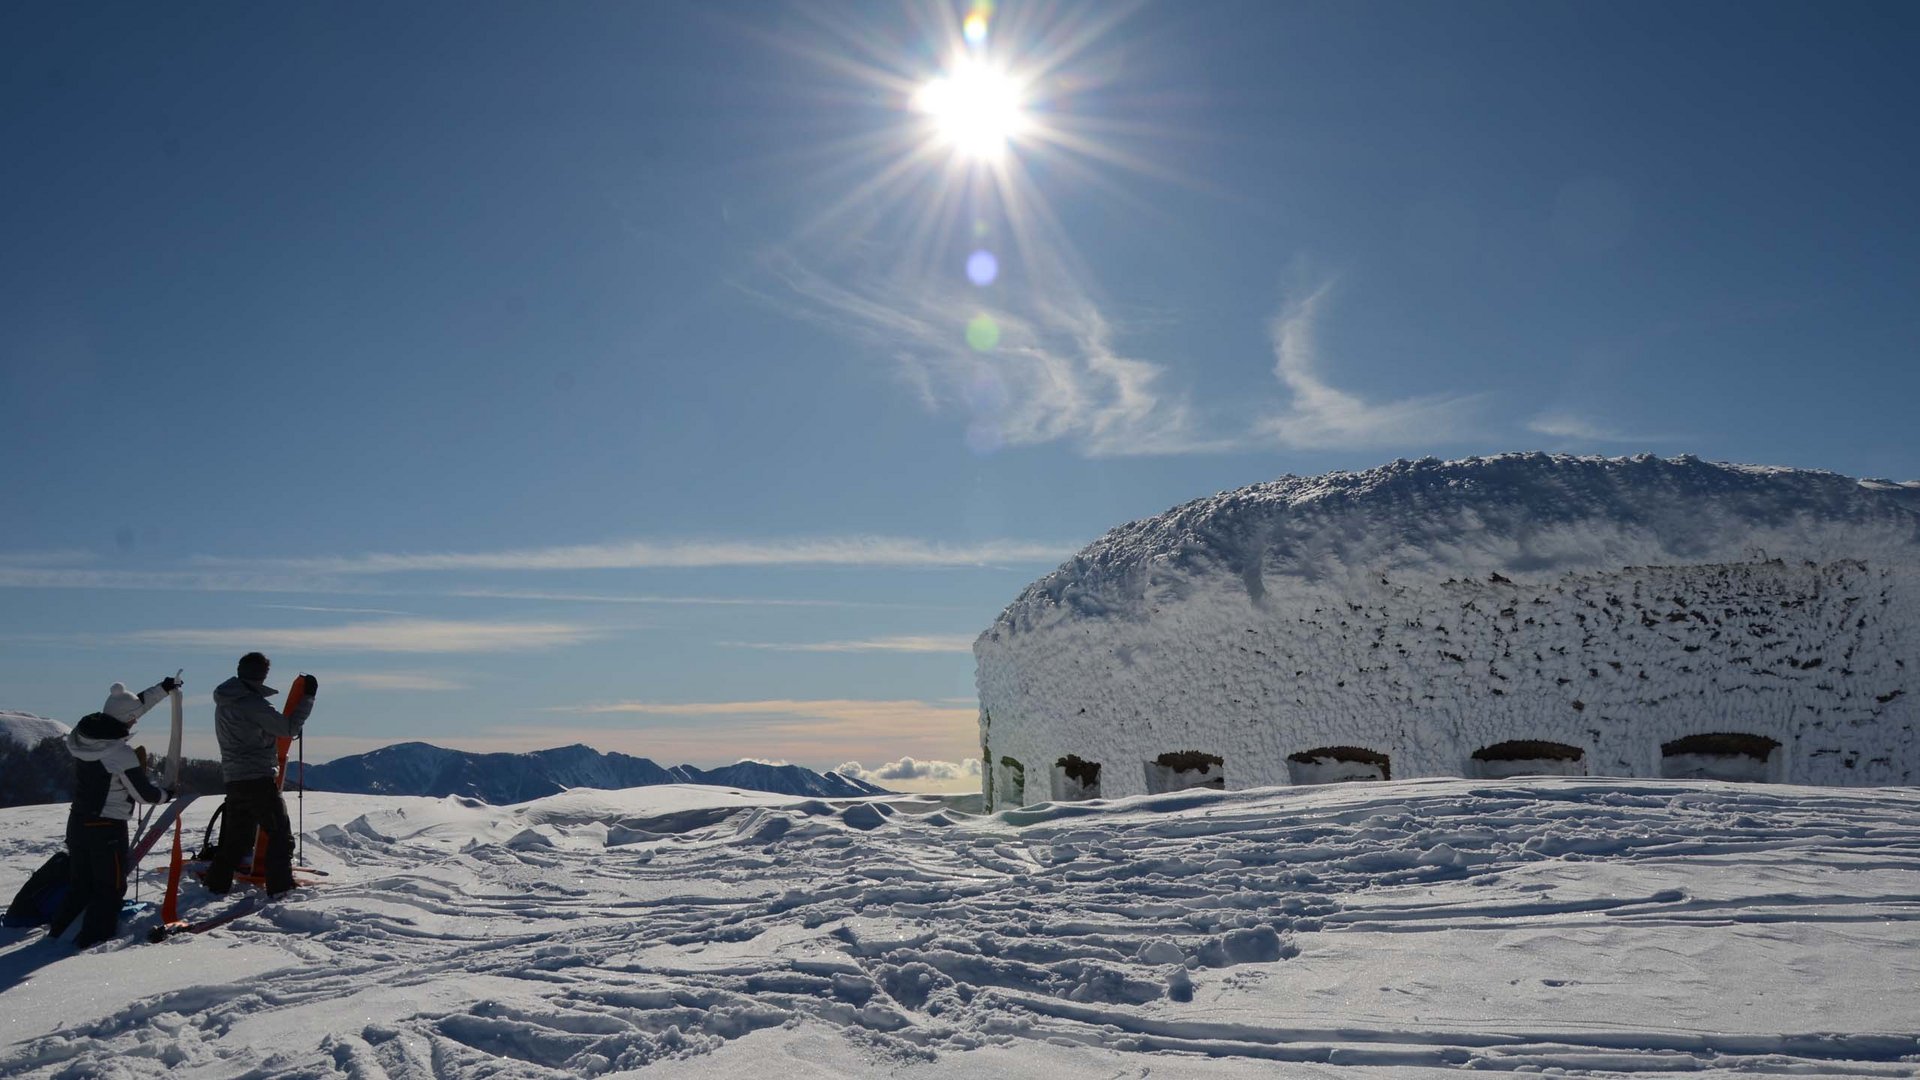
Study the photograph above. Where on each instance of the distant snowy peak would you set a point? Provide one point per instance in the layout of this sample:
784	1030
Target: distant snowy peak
788	779
1522	514
417	768
26	730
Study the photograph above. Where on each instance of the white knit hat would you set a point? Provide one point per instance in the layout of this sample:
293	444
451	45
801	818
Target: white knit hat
121	705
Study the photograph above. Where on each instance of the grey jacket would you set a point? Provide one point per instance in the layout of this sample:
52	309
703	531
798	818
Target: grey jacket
249	728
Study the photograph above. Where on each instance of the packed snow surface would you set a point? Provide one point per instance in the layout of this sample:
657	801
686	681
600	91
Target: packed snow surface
1399	929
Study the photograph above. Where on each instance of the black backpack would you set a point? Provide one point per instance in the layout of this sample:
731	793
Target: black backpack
38	900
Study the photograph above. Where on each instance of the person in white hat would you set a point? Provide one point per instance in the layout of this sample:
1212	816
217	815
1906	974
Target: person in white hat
109	777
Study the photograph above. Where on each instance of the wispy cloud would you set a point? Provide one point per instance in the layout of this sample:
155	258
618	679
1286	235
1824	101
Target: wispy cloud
847	710
865	551
1056	374
391	635
923	643
695	601
1319	415
1053	373
224	580
1570	428
60	557
333	610
394	680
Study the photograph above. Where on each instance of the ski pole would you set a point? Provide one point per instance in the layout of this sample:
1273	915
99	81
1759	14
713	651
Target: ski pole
146	815
302	797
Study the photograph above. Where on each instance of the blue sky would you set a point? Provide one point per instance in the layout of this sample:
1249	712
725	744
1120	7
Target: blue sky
601	372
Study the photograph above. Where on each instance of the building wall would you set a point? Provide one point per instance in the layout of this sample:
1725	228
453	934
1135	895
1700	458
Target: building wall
1820	658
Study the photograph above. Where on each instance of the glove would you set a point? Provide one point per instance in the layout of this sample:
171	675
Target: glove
313	685
170	684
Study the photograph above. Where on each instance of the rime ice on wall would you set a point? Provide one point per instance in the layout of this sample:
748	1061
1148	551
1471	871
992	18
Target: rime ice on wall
1595	610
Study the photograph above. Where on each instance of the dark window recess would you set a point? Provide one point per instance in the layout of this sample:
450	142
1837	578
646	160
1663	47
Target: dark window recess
1723	744
1529	750
1357	755
1337	765
1189	761
1182	769
1526	757
1720	756
1075	778
1079	770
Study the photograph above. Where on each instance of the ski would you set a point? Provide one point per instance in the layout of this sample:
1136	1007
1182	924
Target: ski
158	829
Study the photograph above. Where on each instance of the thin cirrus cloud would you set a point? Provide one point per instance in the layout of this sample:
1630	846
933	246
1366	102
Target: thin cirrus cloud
690	601
388	635
865	551
832	710
1052	374
1055	374
50	558
234	580
386	681
909	643
1320	415
334	610
1570	428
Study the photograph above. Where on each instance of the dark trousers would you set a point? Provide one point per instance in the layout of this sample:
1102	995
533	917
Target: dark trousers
251	805
98	880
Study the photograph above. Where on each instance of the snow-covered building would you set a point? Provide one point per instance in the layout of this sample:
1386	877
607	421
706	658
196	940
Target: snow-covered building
1525	613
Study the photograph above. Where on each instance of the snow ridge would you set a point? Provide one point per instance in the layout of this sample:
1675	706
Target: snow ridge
25	731
1530	514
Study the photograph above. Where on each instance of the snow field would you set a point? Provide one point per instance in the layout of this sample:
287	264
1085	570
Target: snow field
1608	927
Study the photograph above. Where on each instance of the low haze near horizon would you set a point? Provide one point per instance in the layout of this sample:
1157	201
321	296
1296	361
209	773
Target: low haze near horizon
697	381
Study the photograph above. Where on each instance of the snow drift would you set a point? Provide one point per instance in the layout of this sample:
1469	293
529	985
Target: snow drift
1411	929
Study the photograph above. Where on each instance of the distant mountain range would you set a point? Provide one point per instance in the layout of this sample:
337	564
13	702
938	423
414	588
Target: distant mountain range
423	769
35	768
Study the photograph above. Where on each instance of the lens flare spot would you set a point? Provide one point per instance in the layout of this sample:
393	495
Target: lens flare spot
983	334
975	28
982	268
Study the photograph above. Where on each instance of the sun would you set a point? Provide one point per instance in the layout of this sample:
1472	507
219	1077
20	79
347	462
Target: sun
977	108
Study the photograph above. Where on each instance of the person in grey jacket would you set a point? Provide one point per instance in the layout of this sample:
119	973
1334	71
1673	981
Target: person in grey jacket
249	729
109	777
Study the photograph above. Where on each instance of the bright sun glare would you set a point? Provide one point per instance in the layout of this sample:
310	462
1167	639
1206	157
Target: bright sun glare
977	108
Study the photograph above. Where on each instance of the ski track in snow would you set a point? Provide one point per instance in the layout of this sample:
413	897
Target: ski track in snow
1604	927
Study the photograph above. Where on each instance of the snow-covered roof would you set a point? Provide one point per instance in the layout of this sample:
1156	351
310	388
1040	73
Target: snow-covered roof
1515	514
